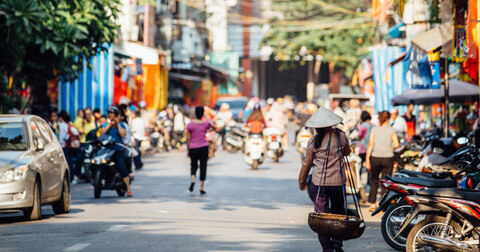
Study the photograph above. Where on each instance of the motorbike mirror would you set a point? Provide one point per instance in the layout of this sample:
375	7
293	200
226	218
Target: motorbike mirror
462	140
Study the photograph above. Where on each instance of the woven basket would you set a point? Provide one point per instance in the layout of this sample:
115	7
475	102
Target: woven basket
336	225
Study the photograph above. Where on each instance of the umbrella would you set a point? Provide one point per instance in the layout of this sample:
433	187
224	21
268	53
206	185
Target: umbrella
459	91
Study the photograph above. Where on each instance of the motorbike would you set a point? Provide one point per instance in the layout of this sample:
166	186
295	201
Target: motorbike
106	175
254	150
274	143
396	207
438	161
234	139
452	221
303	136
408	156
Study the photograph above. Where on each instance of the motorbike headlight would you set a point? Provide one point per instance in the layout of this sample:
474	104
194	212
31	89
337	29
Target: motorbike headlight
15	174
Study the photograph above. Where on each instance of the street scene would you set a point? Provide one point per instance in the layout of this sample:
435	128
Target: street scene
226	125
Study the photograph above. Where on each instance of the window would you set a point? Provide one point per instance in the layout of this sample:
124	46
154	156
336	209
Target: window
13	137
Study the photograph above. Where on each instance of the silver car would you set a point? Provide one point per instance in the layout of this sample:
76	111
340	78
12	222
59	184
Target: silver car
33	169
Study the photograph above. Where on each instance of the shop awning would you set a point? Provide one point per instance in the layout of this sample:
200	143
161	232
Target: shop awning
459	91
148	55
435	38
217	69
179	76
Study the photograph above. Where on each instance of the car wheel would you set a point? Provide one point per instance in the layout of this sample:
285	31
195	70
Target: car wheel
97	184
34	212
64	203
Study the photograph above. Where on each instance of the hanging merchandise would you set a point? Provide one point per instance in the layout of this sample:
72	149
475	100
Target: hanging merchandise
460	49
434	62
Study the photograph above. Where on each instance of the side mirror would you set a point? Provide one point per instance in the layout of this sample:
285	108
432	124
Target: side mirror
462	140
39	144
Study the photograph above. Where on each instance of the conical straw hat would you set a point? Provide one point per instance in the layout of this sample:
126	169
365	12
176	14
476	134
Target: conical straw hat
323	118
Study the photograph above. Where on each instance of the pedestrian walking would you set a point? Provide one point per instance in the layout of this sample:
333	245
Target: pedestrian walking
399	124
138	130
69	139
198	147
328	176
379	159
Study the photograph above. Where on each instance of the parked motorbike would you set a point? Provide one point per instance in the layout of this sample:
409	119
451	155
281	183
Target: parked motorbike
303	136
254	150
396	207
452	221
274	143
106	175
234	139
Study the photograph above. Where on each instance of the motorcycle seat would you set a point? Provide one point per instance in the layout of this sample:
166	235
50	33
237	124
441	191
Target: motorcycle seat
456	193
439	183
413	173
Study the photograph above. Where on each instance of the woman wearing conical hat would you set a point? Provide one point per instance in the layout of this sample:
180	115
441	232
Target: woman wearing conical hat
327	179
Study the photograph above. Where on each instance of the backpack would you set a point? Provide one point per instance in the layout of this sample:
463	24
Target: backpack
73	140
367	136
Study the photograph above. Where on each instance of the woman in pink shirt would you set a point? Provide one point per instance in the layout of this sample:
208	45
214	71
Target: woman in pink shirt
198	147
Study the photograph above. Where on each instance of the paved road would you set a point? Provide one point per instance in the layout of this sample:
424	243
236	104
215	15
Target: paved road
242	210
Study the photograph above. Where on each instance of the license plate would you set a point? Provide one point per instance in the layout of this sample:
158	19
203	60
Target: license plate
274	145
255	155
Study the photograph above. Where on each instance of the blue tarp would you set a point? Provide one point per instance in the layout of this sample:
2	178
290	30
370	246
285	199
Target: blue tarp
389	80
93	88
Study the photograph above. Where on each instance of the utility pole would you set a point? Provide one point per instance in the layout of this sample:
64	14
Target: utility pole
447	100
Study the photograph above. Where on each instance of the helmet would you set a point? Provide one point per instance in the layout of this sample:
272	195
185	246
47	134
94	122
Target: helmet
225	106
142	104
113	109
270	101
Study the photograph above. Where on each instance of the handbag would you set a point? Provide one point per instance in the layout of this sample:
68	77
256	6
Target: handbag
348	226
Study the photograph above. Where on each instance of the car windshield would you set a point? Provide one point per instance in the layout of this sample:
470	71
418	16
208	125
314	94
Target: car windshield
12	136
234	104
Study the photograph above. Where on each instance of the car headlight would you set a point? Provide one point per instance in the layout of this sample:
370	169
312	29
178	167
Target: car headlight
15	174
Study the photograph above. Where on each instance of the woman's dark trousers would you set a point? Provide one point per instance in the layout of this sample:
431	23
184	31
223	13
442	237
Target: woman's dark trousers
199	155
334	195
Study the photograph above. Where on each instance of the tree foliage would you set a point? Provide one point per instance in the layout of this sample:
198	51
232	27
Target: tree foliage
341	31
47	39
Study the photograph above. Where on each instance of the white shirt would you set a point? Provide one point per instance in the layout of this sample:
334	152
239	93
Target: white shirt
128	135
224	117
400	125
138	129
178	122
63	134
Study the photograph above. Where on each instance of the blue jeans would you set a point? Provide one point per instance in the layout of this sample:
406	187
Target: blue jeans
334	196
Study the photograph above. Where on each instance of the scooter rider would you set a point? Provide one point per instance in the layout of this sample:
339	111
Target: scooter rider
117	130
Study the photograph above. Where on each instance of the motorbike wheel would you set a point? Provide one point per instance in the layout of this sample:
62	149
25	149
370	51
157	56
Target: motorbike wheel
276	159
432	226
255	165
97	184
391	221
64	203
88	173
122	190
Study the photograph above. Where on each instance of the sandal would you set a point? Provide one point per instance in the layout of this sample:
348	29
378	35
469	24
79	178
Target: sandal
372	208
129	194
202	192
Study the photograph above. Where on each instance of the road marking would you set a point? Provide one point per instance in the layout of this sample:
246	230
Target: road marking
162	211
77	247
116	227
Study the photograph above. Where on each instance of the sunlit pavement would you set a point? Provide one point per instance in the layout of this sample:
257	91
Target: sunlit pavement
243	209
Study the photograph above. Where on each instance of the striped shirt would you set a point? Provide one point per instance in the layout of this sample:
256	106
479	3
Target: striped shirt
318	156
